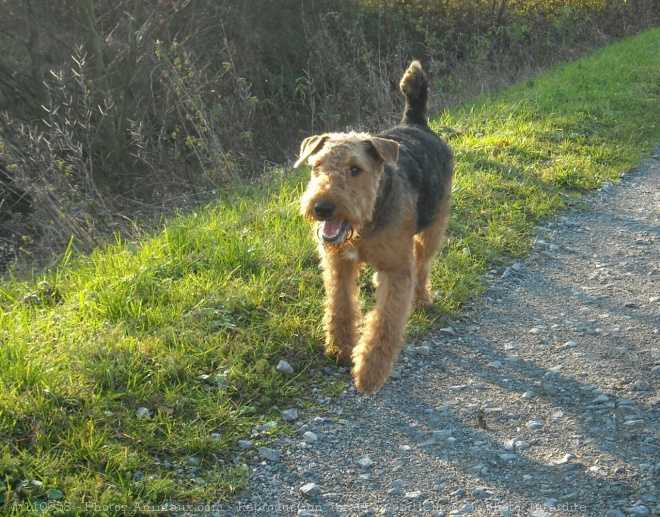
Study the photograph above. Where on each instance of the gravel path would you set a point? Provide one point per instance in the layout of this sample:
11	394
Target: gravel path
543	399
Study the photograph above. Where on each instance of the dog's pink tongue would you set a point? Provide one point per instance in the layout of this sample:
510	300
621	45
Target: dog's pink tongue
331	229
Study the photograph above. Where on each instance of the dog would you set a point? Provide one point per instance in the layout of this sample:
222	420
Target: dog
381	200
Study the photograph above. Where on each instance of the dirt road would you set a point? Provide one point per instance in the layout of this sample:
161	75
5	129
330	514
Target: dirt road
542	400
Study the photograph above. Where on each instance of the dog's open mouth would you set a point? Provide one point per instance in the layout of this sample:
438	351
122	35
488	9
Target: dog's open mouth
334	232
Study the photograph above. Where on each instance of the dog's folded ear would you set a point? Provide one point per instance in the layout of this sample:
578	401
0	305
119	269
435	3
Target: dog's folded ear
383	150
310	146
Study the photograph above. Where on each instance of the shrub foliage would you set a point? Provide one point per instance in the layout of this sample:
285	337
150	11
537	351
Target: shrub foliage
113	108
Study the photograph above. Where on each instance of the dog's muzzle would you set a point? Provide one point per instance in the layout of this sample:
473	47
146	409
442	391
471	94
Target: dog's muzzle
332	231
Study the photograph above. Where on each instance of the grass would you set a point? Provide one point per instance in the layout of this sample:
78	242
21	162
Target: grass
186	327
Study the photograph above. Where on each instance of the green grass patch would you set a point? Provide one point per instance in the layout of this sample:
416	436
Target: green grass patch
128	375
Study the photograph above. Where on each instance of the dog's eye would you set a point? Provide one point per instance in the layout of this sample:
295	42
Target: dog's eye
355	170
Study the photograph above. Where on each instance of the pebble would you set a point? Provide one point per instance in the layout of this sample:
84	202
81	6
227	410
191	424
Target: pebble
270	454
534	425
290	415
565	459
310	437
482	492
601	398
310	490
615	513
448	330
423	350
427	443
284	367
142	412
366	462
411	496
216	436
265	427
245	444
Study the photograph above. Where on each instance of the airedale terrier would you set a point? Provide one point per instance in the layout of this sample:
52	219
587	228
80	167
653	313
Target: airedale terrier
382	200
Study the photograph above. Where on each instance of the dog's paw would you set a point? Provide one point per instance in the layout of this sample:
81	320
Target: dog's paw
371	368
341	355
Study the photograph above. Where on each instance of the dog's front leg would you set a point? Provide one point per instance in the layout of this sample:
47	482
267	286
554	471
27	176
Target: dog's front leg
384	329
342	306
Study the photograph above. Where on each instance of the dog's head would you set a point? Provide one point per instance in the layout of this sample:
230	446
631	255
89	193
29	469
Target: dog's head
346	171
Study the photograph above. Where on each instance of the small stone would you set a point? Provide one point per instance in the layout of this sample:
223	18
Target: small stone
423	350
495	364
193	461
284	367
600	399
398	483
310	437
615	513
639	509
142	412
290	415
265	427
395	375
305	513
216	436
245	444
528	395
508	456
565	459
310	490
366	462
405	448
411	496
138	476
427	443
270	454
461	387
448	330
534	425
482	492
200	481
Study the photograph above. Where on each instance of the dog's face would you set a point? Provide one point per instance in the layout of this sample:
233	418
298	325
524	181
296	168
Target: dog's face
346	170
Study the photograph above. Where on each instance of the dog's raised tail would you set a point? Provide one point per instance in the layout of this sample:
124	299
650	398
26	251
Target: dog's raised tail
414	85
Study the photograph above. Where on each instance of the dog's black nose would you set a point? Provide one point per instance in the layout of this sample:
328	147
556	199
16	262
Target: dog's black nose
324	210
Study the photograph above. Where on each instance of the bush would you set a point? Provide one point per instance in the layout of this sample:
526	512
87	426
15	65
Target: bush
113	109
